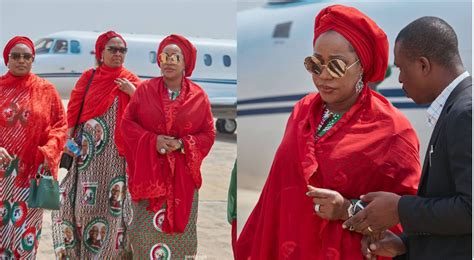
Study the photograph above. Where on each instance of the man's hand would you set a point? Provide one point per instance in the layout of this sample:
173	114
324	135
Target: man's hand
389	245
380	214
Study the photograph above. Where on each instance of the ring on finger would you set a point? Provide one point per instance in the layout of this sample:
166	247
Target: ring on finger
317	207
162	150
370	229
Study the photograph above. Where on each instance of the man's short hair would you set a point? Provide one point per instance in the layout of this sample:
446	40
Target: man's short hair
430	37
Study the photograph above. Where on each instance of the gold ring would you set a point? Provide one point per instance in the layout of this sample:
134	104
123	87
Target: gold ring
370	229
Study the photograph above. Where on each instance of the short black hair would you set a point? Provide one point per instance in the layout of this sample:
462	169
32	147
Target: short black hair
433	38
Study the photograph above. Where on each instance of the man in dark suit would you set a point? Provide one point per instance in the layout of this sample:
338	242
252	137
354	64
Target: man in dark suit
437	222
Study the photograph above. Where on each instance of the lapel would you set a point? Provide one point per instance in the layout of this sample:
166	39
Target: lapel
465	83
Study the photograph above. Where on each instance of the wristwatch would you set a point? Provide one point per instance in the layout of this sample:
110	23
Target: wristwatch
355	207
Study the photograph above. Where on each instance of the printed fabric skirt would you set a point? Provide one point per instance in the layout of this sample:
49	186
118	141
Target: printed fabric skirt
149	242
91	223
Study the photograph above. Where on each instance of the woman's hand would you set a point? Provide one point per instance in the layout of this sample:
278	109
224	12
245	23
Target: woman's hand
329	204
163	144
5	157
174	144
126	86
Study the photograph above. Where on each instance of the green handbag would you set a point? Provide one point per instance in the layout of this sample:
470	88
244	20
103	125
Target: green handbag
45	193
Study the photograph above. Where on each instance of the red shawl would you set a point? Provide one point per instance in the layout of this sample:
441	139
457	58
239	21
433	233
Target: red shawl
47	122
172	178
372	147
100	97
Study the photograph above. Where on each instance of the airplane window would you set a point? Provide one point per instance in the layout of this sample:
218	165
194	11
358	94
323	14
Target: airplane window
75	47
152	56
60	46
207	59
226	60
43	45
282	30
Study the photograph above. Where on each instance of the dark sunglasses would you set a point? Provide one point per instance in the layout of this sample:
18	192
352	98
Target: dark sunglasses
171	59
337	68
17	56
114	50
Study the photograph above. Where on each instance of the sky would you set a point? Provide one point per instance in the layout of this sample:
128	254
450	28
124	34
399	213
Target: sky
197	18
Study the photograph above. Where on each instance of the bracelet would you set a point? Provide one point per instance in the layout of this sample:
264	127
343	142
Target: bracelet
350	212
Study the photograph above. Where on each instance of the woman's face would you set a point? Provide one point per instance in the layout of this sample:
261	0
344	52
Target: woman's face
20	60
168	69
328	46
114	53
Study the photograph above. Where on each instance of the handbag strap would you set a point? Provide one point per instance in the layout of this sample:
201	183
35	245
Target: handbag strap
75	127
83	101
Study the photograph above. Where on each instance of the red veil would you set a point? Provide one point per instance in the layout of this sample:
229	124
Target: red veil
171	178
100	96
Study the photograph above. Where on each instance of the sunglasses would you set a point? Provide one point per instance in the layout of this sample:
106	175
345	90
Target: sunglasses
337	68
17	56
114	50
171	59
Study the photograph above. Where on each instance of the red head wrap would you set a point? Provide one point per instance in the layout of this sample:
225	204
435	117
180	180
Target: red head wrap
102	41
188	49
14	41
368	40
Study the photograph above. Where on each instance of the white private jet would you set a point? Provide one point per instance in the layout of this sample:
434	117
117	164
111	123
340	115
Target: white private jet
273	41
61	58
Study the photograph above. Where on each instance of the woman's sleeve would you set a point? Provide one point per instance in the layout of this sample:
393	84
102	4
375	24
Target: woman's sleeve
56	133
140	145
198	145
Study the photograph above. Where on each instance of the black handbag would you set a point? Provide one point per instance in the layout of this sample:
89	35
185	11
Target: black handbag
66	159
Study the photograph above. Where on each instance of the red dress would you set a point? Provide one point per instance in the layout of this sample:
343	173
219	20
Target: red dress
32	130
372	147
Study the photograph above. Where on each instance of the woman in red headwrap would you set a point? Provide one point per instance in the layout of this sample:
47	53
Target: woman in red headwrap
93	192
170	130
32	136
340	143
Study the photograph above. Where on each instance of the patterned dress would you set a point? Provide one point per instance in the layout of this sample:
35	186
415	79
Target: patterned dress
20	226
91	223
148	241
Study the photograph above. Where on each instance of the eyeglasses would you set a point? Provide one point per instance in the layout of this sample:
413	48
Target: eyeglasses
114	50
17	56
337	68
174	58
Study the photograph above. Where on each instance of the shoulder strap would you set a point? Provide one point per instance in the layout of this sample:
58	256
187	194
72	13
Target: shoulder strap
83	101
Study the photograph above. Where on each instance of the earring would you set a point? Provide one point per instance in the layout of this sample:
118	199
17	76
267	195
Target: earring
359	85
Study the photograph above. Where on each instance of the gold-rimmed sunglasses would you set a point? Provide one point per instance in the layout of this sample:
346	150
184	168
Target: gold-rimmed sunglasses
337	68
174	58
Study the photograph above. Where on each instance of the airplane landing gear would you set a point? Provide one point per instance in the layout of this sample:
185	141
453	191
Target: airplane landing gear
226	126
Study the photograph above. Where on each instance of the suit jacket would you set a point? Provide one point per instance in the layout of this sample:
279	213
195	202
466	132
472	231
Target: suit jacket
437	222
